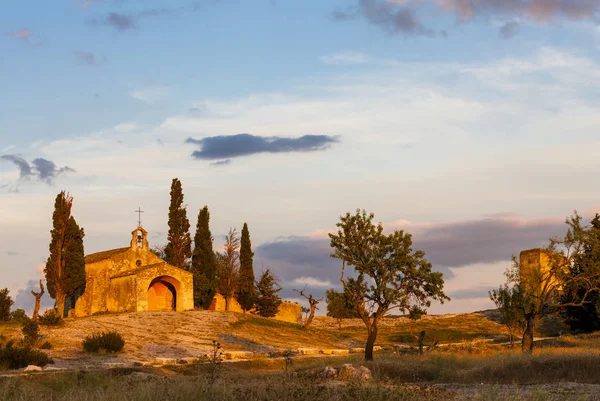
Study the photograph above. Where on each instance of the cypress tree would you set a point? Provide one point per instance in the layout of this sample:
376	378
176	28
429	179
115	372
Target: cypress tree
65	268
204	265
267	302
179	247
6	303
247	293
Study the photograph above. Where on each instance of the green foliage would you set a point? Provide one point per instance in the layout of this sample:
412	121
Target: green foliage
65	268
389	273
585	266
50	318
105	342
6	303
247	292
31	332
203	262
18	315
228	264
416	312
509	300
179	246
46	345
17	357
267	302
340	305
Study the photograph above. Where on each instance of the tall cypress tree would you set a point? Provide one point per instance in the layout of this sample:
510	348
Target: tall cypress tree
247	293
65	268
179	247
204	266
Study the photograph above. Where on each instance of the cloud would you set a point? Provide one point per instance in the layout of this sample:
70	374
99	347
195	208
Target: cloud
393	19
12	253
23	34
402	16
221	162
42	169
120	22
508	30
88	58
128	22
345	58
228	146
89	3
150	93
25	300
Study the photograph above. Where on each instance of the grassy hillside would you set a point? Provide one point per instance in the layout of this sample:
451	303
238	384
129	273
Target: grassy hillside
190	334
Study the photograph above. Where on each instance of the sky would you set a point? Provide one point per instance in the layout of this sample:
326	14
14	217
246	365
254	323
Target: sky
471	124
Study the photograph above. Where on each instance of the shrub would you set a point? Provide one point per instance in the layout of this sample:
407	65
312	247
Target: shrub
16	357
46	345
109	341
31	332
18	315
51	318
6	303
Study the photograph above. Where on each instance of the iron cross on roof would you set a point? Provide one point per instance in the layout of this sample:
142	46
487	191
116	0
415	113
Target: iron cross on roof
139	212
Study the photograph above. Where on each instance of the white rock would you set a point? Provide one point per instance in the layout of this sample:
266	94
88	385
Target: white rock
32	368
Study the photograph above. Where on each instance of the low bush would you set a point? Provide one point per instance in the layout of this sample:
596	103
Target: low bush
31	332
18	315
15	357
46	345
51	318
109	342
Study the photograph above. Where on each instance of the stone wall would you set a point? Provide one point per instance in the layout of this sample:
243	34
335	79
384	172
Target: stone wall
288	312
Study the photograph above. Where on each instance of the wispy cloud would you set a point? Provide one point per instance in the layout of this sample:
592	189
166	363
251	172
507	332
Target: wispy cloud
150	93
345	58
509	29
23	34
229	146
42	169
88	58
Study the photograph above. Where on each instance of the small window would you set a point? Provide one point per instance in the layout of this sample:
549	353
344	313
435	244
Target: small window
138	263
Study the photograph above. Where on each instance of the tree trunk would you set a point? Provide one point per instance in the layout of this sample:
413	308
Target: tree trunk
60	302
527	344
310	317
511	337
38	297
420	341
339	324
226	304
370	343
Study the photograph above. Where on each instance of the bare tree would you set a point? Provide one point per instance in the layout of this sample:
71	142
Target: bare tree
312	303
38	297
421	342
228	266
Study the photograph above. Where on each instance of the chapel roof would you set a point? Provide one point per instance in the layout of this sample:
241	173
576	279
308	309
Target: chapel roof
98	256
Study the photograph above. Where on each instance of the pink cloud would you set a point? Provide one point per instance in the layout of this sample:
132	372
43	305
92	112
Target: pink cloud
23	34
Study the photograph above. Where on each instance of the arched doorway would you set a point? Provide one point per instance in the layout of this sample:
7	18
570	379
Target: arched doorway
162	294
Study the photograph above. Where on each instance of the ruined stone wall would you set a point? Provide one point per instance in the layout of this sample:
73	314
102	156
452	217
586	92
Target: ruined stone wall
218	303
289	312
535	265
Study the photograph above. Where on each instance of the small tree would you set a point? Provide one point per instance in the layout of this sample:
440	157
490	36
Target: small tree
179	246
246	291
267	303
508	301
340	306
228	265
389	273
312	304
540	289
65	268
586	317
38	297
203	262
6	303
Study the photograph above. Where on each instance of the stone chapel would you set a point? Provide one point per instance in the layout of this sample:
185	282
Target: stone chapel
132	279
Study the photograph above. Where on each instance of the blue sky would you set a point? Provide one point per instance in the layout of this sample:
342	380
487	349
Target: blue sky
471	124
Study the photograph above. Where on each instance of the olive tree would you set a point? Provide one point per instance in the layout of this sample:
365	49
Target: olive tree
389	274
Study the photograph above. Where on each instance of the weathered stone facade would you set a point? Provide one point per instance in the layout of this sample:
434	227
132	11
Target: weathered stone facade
287	312
133	279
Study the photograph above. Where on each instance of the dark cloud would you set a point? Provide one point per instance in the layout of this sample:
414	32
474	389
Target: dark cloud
88	58
401	16
25	300
221	162
122	22
42	169
486	240
508	30
479	292
450	245
392	18
222	147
